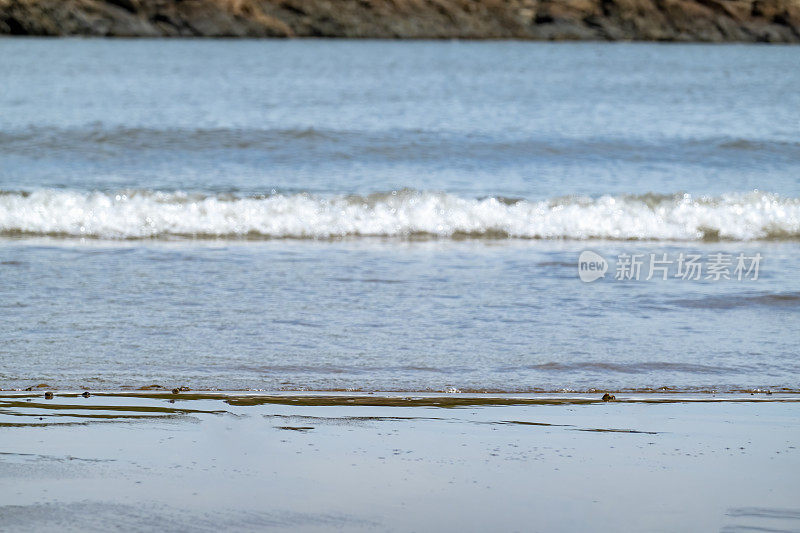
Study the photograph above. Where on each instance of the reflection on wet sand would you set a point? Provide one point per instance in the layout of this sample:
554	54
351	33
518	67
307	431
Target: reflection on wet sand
760	519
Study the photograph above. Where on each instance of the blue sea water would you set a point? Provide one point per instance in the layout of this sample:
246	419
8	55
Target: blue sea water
395	215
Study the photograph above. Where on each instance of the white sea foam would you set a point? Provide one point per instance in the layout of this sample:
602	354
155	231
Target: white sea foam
148	214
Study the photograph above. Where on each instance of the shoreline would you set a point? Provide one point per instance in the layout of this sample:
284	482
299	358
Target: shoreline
549	20
450	40
333	398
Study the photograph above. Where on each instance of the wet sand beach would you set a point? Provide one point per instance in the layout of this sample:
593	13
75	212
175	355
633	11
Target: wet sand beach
317	462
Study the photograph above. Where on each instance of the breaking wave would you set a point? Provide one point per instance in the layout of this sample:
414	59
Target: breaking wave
136	214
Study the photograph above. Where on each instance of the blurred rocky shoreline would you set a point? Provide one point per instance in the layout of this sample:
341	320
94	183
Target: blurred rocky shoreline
645	20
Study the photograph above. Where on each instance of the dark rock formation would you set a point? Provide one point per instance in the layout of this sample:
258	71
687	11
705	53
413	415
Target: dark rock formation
648	20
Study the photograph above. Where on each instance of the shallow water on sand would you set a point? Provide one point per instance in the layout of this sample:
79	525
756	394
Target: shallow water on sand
387	316
394	216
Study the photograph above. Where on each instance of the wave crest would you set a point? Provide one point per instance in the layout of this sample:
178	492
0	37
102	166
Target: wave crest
404	214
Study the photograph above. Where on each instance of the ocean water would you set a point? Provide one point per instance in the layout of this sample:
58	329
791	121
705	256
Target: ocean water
398	216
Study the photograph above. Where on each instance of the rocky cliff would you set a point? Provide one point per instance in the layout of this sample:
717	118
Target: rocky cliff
649	20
